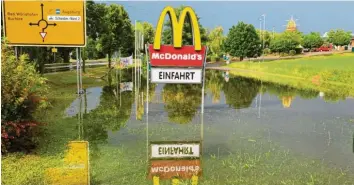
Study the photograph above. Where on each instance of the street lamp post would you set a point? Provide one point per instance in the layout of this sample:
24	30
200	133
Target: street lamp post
260	32
264	29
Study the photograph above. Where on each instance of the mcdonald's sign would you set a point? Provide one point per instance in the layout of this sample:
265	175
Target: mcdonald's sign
176	54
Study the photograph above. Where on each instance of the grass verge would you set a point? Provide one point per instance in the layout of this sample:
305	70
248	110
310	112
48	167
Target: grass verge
333	73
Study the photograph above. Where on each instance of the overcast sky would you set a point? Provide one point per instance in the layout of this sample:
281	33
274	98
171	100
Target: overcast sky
312	16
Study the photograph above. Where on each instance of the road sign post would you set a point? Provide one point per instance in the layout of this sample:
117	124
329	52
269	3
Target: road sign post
45	23
176	64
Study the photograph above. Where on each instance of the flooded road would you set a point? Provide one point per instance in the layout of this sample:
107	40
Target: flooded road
251	132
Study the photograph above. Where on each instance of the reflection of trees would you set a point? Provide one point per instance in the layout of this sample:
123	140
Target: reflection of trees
334	97
214	83
142	96
109	115
287	93
181	101
240	92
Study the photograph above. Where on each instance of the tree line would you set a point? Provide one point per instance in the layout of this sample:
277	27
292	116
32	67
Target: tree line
109	29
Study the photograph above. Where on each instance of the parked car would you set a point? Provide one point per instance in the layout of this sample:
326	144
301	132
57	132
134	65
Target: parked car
324	48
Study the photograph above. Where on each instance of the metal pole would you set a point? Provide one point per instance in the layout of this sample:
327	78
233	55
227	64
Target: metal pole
79	115
16	54
260	33
260	101
80	58
263	37
77	71
202	108
147	106
136	107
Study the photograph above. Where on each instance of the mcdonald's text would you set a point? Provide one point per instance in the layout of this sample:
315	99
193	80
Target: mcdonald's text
167	169
185	56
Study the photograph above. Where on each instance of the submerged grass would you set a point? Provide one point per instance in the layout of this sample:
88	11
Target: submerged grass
255	162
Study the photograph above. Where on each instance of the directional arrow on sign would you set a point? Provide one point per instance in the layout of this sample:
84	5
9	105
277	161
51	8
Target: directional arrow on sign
43	34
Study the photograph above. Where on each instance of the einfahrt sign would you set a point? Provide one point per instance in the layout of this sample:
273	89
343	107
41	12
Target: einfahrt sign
176	75
175	150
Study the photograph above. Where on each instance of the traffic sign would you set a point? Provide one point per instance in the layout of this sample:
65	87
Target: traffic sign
176	75
45	23
54	50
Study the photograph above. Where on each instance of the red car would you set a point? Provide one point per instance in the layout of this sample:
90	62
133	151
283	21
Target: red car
324	48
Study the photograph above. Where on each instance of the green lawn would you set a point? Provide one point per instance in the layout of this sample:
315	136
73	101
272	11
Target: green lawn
320	72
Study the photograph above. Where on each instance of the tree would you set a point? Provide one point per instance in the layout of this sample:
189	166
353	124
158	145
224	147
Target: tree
267	37
339	37
215	40
187	36
149	33
313	40
118	33
286	41
95	19
243	41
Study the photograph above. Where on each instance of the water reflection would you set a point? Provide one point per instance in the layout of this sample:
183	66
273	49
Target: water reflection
76	166
315	132
181	101
240	92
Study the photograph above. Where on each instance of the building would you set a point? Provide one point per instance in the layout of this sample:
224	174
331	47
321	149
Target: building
291	26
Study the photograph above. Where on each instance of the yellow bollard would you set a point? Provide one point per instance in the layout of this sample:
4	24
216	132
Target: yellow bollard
156	180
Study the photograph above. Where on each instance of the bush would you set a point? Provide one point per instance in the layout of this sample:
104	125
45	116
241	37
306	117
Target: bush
208	59
298	50
283	54
292	52
215	58
266	51
18	136
23	90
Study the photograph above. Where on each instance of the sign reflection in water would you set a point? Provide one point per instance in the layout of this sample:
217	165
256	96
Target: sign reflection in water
76	166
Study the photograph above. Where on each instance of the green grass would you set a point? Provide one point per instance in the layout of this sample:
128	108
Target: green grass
333	72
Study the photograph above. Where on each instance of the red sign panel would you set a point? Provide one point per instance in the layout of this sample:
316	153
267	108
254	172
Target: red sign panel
185	56
166	169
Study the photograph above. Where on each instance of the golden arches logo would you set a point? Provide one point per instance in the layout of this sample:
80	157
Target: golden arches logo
177	27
